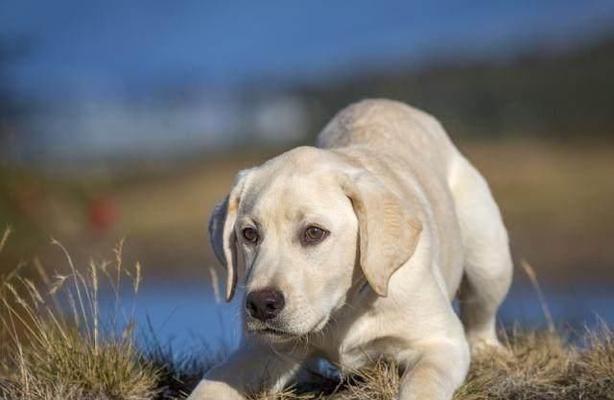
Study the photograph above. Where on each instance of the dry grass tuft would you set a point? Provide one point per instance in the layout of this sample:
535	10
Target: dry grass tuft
535	366
593	373
379	381
55	366
59	346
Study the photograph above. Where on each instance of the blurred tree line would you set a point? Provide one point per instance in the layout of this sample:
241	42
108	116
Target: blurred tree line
11	106
550	94
564	95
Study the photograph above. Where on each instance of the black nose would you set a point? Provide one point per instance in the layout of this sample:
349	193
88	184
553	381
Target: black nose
264	304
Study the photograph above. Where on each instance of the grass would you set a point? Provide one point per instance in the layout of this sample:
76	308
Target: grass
58	344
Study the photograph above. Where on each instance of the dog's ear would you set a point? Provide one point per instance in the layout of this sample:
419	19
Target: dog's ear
222	234
388	232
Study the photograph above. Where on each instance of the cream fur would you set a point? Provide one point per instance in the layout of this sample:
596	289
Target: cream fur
408	216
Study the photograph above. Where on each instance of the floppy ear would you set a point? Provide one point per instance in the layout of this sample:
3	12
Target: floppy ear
222	235
388	233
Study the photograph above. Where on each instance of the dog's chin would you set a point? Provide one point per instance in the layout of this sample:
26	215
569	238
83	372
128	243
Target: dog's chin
275	334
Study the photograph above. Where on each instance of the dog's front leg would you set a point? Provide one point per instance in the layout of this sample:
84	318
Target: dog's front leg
254	367
440	369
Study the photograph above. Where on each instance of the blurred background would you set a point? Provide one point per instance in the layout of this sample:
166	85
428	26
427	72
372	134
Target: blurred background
129	120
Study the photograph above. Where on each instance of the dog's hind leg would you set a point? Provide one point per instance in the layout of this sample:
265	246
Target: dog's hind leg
487	261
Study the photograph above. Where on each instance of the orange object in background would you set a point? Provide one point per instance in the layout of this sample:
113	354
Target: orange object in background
102	214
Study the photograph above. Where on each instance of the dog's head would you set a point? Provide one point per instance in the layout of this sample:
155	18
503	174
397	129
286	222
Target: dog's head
300	226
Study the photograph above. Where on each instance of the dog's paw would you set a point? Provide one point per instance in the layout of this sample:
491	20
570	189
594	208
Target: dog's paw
483	346
210	390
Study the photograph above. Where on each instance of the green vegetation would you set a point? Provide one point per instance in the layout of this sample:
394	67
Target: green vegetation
58	345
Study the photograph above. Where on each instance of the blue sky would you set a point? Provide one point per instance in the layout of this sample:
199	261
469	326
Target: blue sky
100	48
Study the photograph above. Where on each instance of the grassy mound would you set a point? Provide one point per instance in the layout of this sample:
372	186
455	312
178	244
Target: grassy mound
57	345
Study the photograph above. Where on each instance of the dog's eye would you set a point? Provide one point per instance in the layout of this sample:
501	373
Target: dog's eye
313	235
250	234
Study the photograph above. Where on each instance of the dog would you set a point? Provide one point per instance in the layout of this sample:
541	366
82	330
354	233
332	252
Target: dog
354	250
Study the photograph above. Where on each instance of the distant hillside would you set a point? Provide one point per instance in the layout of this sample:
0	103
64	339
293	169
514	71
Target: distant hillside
565	95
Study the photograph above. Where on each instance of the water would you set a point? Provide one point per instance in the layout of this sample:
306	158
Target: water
187	316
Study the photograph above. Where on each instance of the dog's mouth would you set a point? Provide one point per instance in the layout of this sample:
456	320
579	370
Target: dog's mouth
273	334
273	331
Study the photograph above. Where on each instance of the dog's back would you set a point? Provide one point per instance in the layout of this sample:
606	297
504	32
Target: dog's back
388	126
457	197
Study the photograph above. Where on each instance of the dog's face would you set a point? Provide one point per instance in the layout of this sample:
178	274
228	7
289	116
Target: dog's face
297	236
300	224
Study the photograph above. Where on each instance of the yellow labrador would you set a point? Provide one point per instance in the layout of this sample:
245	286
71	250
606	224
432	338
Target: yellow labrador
353	250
